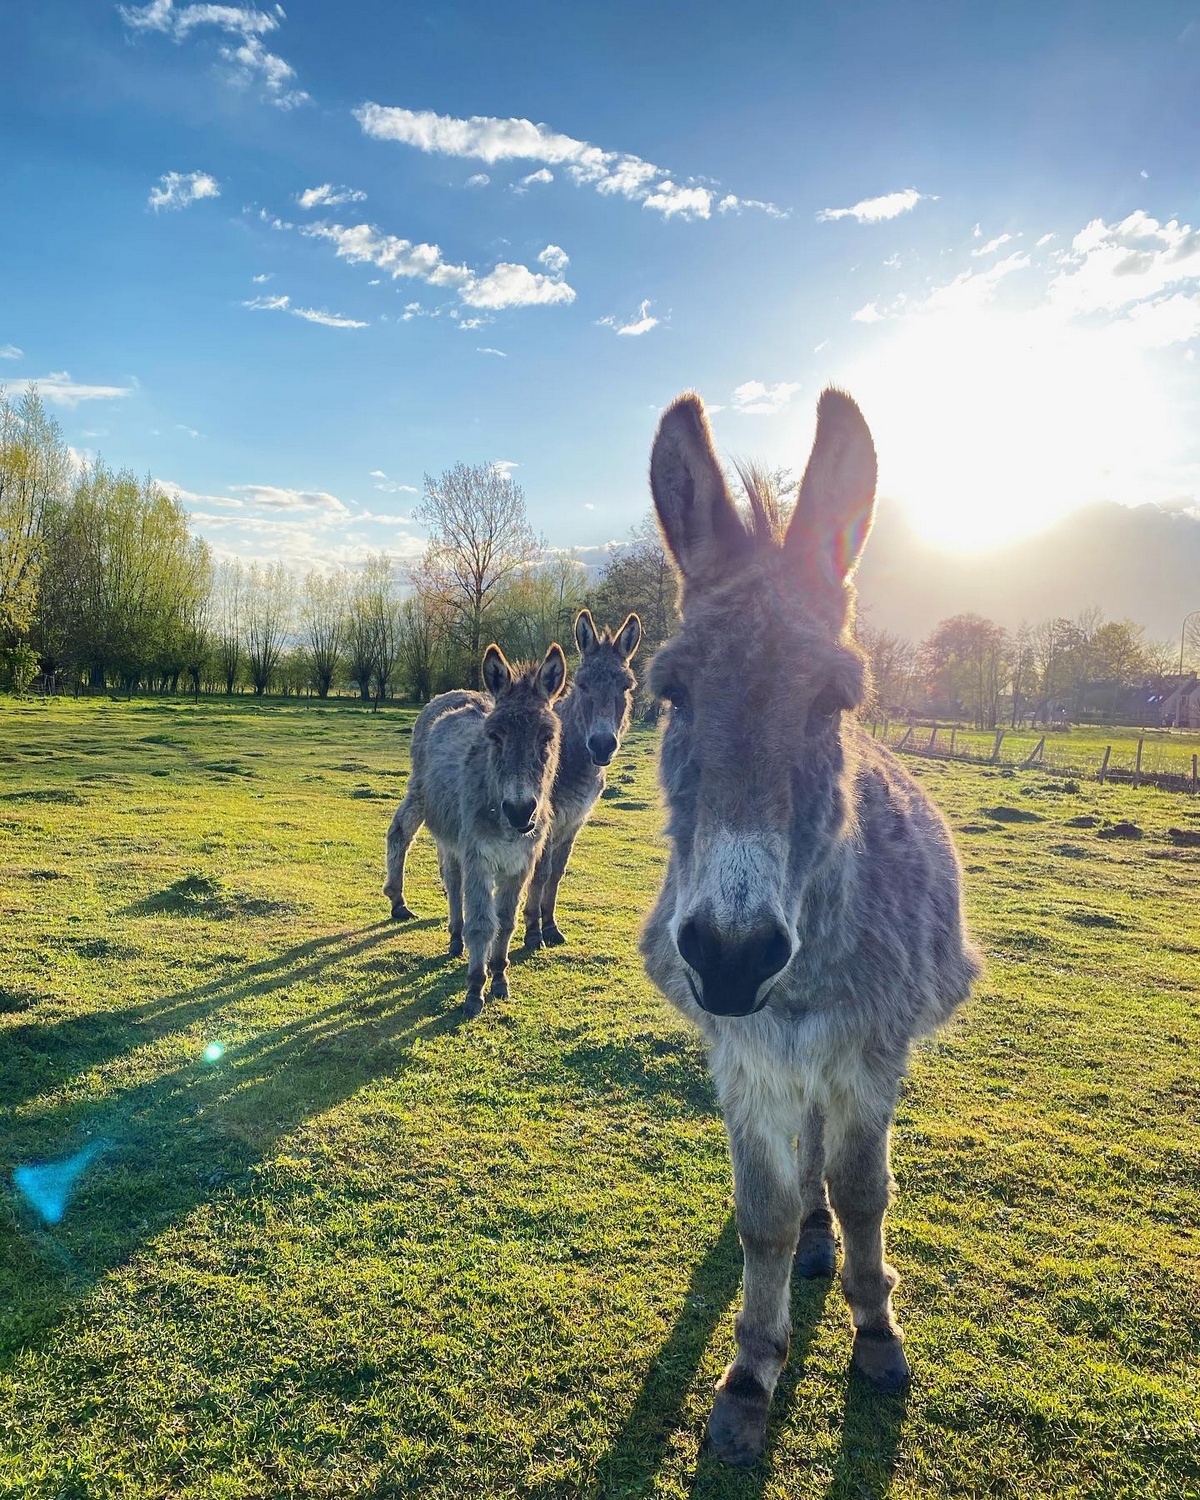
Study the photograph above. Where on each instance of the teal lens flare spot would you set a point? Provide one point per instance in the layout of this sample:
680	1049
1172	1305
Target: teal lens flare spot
214	1052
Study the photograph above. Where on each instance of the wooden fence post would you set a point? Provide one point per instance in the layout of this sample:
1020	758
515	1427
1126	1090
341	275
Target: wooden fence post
908	734
953	732
1137	769
996	746
1195	759
1035	755
1104	764
932	739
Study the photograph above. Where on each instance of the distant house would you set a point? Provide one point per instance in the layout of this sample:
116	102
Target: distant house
1181	702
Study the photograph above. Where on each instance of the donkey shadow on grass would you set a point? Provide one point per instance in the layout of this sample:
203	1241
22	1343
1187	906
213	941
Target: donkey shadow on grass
871	1423
197	1132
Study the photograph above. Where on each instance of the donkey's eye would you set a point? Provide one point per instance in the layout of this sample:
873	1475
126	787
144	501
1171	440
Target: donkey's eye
496	738
676	695
825	705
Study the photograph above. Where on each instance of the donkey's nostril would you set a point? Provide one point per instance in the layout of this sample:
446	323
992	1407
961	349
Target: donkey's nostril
731	969
520	814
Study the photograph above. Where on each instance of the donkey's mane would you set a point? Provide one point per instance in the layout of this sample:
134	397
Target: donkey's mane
767	521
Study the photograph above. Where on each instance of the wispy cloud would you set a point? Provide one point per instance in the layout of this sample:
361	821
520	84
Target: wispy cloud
542	176
477	180
389	486
490	140
485	349
178	189
868	314
506	285
505	466
731	203
262	279
283	303
10	351
249	59
754	398
992	245
59	389
875	210
328	196
641	323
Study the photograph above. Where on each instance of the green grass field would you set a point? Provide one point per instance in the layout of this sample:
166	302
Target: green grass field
374	1251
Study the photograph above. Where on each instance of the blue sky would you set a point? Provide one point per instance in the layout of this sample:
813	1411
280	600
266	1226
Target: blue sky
541	222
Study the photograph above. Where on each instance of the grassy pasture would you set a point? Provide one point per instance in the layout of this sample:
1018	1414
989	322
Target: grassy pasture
373	1251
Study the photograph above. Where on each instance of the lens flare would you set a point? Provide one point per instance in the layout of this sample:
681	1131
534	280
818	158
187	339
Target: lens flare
48	1188
214	1052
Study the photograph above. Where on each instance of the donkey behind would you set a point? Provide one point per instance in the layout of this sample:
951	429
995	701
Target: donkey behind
482	770
594	714
810	922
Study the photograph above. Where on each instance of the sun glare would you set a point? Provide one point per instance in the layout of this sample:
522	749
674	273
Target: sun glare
991	426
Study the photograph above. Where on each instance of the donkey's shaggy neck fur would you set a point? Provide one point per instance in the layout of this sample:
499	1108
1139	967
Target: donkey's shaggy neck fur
810	922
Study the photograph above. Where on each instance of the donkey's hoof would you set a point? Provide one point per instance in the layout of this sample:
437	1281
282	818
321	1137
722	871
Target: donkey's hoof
816	1253
533	940
401	913
737	1427
879	1358
455	949
499	987
472	1006
553	937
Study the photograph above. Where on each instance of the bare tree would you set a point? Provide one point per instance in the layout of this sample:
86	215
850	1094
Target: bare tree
893	663
323	625
267	619
479	536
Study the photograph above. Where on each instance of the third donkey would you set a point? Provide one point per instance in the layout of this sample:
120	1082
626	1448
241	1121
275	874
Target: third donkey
594	714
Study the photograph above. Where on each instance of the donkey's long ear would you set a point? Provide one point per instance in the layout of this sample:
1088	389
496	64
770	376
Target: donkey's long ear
587	637
837	495
497	674
552	674
699	523
627	638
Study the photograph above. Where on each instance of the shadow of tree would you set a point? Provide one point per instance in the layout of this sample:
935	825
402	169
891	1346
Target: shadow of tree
199	1129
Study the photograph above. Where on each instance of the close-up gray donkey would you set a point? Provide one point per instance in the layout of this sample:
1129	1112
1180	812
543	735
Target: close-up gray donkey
810	923
483	766
594	714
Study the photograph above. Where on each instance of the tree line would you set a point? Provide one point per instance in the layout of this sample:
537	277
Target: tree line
104	587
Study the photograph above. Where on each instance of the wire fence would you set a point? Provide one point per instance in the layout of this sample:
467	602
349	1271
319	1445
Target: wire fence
1138	758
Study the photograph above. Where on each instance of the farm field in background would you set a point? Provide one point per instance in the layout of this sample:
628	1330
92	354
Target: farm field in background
373	1250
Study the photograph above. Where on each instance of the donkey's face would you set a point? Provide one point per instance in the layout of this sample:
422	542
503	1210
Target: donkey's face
604	684
759	675
521	734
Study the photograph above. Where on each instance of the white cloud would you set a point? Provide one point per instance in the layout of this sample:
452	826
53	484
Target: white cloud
264	278
875	210
555	259
283	303
249	58
971	289
490	140
505	466
477	180
499	353
641	323
59	389
1001	239
183	427
868	314
389	486
329	196
1045	240
731	203
506	285
178	189
10	351
893	260
755	398
542	175
274	497
1112	266
469	325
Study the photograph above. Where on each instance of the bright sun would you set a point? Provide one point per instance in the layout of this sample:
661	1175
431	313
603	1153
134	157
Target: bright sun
990	426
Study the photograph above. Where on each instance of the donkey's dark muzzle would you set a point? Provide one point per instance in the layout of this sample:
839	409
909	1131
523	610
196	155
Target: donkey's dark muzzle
730	971
602	748
520	814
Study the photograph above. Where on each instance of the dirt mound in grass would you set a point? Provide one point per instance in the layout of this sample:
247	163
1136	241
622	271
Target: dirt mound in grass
200	895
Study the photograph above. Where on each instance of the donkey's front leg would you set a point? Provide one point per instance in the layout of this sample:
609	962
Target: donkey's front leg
479	928
559	857
816	1252
533	897
769	1212
860	1185
508	895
